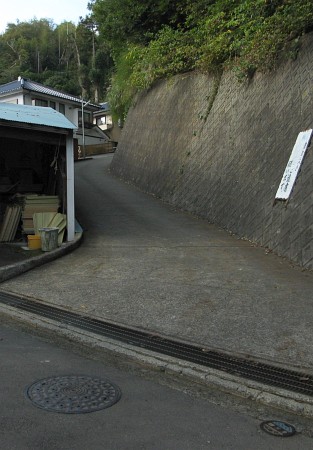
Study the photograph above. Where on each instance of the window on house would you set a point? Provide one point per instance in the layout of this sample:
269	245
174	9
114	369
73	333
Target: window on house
62	108
39	102
101	121
52	105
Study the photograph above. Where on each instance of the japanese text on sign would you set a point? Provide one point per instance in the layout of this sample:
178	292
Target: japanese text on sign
293	165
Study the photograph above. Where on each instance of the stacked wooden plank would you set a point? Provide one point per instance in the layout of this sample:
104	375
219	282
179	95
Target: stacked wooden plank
37	204
59	221
10	223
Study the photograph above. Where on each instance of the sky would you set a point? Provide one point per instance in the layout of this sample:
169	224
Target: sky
57	10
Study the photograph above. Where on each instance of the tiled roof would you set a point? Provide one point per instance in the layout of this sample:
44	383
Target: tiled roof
33	86
35	115
94	132
105	106
10	87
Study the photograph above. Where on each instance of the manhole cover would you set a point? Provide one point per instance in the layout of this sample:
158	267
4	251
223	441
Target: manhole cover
73	394
277	428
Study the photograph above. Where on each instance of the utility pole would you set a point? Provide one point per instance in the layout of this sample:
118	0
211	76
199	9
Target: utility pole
83	126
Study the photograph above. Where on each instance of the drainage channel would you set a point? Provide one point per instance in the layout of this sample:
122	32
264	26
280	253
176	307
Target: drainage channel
264	373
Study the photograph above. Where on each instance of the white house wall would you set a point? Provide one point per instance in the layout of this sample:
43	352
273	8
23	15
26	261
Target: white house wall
14	99
71	113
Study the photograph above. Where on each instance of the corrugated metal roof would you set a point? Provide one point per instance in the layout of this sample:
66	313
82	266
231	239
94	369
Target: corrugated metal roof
36	115
33	86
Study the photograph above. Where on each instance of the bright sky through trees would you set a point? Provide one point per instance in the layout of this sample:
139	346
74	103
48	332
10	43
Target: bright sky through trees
56	10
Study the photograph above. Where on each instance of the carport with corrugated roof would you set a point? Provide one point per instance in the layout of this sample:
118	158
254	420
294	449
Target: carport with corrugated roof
37	157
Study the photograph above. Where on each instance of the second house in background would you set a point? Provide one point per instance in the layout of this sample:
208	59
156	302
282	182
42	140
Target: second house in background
26	92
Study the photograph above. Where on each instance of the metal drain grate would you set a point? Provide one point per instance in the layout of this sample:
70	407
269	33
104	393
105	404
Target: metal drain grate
263	373
73	394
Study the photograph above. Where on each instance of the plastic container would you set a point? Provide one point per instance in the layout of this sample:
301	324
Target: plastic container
34	241
49	238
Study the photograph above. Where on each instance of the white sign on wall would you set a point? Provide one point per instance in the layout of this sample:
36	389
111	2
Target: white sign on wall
293	165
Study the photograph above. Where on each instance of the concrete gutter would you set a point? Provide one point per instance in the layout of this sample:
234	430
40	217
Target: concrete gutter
181	374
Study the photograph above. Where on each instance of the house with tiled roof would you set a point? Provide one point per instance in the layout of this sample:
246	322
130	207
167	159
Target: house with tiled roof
104	119
26	92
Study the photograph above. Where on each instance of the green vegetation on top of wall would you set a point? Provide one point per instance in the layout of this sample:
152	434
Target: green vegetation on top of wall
158	39
140	42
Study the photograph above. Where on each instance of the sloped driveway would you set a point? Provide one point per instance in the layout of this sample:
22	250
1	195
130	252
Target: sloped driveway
146	265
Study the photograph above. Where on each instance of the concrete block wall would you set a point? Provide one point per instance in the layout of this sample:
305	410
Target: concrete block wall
221	154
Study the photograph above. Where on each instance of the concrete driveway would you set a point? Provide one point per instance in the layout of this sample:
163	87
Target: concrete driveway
146	265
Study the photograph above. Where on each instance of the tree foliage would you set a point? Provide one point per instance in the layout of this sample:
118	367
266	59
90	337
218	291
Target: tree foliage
66	57
156	39
124	46
135	21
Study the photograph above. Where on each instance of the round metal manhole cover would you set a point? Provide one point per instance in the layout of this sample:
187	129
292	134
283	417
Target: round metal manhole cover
73	394
278	428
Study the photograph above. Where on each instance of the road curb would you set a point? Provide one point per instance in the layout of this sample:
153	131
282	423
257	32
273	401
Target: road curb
182	371
20	267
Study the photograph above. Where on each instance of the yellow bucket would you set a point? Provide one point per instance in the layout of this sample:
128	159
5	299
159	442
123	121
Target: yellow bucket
34	241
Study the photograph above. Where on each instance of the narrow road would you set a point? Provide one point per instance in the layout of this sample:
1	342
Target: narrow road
144	264
147	417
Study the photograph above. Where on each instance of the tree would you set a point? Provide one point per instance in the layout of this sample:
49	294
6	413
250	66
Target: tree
135	21
31	45
67	57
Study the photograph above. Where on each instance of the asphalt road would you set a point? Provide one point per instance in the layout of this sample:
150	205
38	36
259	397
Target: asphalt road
148	416
146	265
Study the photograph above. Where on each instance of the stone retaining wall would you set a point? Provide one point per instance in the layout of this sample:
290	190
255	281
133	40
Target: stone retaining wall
218	148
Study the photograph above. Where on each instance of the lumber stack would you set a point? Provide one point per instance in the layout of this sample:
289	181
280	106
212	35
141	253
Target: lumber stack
37	204
10	223
50	220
